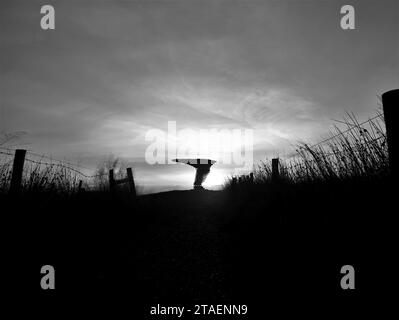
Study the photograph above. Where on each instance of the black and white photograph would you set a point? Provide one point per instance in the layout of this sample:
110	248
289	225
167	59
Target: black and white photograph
199	159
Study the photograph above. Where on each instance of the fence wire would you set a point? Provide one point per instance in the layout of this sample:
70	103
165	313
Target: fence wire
342	133
52	163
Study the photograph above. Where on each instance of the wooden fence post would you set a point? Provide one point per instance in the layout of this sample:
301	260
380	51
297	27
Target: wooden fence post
390	103
80	186
275	169
17	170
130	178
234	182
111	180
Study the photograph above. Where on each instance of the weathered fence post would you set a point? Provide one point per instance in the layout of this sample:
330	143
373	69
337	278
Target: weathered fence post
275	169
80	189
17	170
251	177
111	180
130	178
390	102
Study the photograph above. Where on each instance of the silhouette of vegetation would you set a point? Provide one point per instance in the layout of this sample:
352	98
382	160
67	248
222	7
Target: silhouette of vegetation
355	151
39	176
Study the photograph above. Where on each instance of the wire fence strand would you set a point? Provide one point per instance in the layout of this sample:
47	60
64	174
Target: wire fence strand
60	163
342	133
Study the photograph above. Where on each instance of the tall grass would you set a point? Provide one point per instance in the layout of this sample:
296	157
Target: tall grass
358	150
40	177
50	178
5	173
59	177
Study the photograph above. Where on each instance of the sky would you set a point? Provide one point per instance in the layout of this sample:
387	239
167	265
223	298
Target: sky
112	71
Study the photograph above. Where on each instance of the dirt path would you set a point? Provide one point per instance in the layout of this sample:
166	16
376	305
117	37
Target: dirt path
178	256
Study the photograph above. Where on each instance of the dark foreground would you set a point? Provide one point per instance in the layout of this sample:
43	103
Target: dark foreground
274	251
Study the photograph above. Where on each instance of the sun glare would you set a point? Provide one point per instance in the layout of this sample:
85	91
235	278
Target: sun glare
214	178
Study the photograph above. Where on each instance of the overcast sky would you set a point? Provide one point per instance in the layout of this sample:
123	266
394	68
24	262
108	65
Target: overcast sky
112	70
